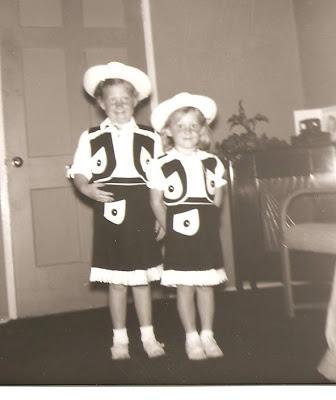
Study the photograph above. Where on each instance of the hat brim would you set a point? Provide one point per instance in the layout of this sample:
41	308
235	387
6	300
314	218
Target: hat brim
115	70
162	112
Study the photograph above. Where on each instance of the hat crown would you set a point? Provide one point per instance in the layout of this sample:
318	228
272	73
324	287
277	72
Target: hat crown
183	94
205	104
115	64
117	70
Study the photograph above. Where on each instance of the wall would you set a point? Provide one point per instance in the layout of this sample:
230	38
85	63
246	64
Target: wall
230	50
316	31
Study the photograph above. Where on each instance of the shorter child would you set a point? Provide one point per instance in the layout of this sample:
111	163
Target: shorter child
186	193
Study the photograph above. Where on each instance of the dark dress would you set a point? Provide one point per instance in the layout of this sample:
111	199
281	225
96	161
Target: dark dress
125	250
193	254
198	251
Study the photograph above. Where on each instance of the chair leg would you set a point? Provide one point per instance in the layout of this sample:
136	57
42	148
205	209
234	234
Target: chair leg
287	280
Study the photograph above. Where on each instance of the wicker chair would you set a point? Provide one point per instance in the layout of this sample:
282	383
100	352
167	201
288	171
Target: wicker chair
310	236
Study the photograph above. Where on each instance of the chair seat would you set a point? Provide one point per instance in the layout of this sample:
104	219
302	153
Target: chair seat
315	237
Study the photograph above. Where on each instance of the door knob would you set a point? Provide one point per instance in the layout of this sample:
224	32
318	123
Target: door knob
17	162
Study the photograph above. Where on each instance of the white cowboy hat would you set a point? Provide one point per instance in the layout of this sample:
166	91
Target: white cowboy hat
117	70
161	112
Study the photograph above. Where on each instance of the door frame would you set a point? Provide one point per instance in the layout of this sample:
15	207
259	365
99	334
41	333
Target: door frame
149	50
5	214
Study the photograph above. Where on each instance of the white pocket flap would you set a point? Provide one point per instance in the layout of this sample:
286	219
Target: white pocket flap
115	211
186	223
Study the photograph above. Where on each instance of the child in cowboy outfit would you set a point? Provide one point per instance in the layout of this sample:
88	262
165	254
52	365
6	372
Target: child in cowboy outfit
186	192
109	167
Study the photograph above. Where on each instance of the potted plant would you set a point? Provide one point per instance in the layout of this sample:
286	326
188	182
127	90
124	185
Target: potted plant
232	147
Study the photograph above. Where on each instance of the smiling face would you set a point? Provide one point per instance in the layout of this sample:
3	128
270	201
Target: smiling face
118	101
185	129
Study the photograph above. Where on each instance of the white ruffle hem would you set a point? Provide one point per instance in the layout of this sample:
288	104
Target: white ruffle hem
209	277
128	278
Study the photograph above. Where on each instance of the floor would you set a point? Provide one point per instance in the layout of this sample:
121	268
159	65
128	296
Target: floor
261	346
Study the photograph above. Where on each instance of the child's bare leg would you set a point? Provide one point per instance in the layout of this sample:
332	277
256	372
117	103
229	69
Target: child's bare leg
206	308
118	305
187	312
143	306
186	307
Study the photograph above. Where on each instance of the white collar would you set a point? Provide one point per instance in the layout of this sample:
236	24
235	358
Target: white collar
129	126
178	154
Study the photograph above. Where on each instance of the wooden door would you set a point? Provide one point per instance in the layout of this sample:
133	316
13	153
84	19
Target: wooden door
46	45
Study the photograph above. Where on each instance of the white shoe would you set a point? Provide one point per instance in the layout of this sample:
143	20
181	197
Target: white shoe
153	348
211	348
195	350
119	351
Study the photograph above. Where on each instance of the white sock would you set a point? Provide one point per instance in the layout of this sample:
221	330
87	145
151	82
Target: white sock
147	333
120	336
206	334
192	336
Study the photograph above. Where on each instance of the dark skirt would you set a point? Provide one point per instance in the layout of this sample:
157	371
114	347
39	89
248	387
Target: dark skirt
192	239
124	236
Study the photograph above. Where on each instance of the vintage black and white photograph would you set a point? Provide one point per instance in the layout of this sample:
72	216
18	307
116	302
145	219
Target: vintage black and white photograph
168	193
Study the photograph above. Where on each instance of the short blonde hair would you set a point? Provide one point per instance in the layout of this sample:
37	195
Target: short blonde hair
205	138
99	91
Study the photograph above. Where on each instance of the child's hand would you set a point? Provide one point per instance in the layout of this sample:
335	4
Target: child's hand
160	234
159	231
92	190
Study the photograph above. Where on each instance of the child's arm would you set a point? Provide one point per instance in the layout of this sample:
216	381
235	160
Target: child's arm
92	190
159	210
81	172
220	183
219	196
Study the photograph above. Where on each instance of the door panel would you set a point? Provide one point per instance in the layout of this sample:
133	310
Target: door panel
46	102
40	13
54	211
44	53
103	13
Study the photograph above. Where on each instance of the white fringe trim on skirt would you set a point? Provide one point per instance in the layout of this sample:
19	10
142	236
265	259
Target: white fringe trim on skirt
209	277
128	278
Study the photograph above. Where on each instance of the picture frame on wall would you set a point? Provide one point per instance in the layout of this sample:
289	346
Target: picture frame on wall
316	120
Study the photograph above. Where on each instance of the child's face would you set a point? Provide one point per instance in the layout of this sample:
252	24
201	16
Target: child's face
185	131
118	103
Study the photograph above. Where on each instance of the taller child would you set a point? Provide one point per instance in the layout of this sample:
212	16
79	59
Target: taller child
109	167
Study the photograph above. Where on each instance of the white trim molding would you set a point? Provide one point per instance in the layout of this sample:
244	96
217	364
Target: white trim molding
5	215
149	50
